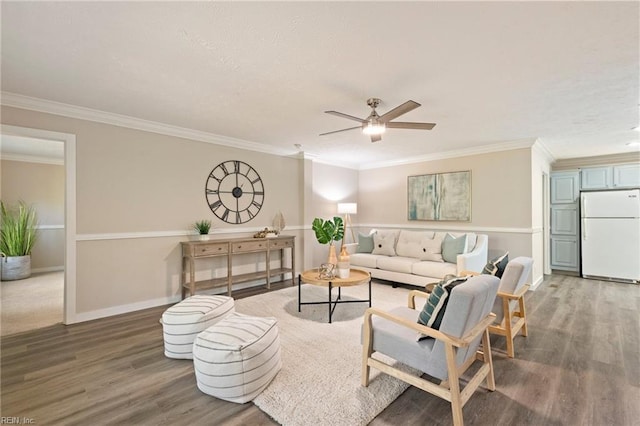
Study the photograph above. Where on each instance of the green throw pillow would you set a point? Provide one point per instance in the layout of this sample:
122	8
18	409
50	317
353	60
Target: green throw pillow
433	311
365	243
452	247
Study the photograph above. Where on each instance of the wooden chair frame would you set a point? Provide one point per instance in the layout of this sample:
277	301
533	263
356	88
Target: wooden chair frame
450	389
512	321
509	329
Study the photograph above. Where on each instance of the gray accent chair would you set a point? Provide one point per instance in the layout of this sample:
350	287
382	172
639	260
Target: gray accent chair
511	315
447	353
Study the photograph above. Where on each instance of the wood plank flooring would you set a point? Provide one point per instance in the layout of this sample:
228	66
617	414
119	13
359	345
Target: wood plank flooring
580	365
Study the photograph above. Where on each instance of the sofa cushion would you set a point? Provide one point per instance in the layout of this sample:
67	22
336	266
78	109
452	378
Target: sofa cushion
397	263
409	243
433	269
384	242
365	243
497	265
452	247
365	259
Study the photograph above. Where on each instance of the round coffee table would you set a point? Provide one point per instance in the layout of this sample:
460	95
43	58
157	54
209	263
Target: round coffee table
312	276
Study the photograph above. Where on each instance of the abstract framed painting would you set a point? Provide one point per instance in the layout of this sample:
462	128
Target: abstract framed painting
440	196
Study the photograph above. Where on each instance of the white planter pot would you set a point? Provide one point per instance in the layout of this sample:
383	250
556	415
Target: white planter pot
16	268
203	237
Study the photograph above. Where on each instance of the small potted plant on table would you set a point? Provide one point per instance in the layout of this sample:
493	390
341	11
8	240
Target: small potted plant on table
202	227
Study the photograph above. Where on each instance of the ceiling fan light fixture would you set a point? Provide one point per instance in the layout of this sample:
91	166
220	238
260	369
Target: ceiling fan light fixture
374	128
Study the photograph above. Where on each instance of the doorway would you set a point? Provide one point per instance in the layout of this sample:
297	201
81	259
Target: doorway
42	145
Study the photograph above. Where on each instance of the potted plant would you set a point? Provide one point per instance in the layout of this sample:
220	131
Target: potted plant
327	232
203	227
17	237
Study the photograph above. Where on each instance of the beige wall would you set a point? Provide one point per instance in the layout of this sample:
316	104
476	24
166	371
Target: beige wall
41	185
500	186
504	196
330	185
130	181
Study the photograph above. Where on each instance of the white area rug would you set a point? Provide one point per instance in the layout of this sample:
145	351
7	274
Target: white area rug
319	383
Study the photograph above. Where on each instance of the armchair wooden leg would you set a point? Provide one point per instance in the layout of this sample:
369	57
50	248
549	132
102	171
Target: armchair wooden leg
486	351
367	348
454	385
507	324
523	314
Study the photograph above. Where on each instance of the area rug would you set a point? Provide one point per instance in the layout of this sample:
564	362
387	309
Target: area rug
321	363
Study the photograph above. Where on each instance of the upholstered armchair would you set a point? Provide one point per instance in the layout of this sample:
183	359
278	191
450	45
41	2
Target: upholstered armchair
446	353
511	315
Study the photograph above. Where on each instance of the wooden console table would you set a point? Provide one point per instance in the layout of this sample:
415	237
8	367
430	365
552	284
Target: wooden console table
193	250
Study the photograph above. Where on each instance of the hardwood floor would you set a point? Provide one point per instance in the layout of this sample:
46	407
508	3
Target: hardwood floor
580	365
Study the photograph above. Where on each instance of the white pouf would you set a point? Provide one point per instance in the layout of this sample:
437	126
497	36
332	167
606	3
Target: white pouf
182	322
237	358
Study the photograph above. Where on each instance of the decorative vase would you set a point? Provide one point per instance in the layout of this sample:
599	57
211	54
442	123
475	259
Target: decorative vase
344	263
333	259
203	237
16	267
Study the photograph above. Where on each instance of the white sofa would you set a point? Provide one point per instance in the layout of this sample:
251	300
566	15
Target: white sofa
419	257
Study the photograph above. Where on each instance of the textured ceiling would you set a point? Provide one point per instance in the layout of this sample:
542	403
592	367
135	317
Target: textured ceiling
565	73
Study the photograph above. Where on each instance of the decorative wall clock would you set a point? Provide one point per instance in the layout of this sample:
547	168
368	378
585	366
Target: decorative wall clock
234	191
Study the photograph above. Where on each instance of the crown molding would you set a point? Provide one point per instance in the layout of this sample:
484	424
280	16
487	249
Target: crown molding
485	149
540	147
82	113
600	160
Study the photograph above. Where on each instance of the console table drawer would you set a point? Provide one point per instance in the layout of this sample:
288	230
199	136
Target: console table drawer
280	244
245	246
210	249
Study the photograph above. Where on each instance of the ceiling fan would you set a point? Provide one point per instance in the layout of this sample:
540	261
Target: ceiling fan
374	125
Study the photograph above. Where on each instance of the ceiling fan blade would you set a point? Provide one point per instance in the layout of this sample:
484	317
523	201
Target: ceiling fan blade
343	130
399	110
376	138
347	116
405	125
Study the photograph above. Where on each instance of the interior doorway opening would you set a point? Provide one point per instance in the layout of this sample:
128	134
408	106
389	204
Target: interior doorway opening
68	227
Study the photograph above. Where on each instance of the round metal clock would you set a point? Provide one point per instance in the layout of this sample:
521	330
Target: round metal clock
234	191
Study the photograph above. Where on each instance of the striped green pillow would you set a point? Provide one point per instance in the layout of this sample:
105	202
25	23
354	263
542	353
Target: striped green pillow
434	309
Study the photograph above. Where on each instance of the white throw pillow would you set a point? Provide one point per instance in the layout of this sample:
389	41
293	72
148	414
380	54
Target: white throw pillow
384	243
431	249
409	243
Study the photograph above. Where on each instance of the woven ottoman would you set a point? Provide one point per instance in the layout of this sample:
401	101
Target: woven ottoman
182	322
237	358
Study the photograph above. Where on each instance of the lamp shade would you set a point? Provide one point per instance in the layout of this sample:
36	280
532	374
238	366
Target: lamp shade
347	208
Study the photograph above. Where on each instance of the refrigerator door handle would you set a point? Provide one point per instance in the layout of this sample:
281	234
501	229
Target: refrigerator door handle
584	229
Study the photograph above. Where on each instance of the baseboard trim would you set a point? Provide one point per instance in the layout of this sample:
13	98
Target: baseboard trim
536	284
48	269
123	309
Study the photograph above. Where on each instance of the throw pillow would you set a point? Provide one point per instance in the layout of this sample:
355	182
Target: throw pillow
433	311
365	243
452	247
384	243
431	249
497	265
409	243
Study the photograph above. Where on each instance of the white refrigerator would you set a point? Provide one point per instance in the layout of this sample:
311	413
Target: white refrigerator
610	229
